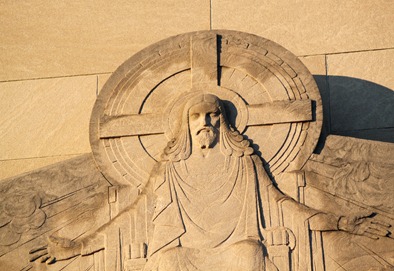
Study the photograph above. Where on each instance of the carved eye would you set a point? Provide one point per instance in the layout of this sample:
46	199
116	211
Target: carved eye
194	116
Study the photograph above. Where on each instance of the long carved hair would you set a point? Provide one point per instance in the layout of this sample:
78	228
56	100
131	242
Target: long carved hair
232	143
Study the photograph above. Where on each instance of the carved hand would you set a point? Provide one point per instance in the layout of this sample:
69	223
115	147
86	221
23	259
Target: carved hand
57	249
364	224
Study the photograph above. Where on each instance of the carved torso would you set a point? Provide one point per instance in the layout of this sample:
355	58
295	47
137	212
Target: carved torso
211	204
217	208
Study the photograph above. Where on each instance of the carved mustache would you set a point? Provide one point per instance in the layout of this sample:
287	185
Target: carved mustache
205	129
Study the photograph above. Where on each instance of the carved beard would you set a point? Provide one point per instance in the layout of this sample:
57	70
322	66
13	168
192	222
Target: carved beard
206	137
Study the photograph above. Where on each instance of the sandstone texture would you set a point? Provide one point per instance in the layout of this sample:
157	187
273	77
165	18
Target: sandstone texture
207	154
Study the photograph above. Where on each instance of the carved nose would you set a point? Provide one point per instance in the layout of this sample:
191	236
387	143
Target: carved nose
206	120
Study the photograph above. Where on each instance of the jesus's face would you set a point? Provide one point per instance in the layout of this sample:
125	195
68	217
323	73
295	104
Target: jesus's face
204	123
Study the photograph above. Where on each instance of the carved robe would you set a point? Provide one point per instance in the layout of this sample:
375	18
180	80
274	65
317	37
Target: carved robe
214	211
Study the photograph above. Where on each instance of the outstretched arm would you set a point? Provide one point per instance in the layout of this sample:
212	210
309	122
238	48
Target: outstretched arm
59	248
361	224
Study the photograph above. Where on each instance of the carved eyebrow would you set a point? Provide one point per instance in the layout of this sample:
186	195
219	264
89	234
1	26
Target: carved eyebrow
194	115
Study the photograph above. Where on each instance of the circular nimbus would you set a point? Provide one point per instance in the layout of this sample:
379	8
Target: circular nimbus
253	74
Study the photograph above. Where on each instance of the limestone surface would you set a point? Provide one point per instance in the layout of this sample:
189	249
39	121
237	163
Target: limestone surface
203	159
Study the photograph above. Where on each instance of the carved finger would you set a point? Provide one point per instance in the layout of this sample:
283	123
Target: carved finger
378	230
370	235
381	223
44	259
34	250
51	260
38	255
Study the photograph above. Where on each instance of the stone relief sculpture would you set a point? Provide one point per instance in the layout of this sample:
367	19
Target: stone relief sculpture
205	145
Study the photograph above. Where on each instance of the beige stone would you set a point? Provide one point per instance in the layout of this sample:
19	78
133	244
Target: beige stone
47	39
46	117
102	79
136	100
353	175
311	27
203	160
58	199
317	66
10	168
361	91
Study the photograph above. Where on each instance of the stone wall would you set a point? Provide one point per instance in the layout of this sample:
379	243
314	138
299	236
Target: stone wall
56	55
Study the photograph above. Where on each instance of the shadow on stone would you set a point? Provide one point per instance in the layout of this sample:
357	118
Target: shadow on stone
356	108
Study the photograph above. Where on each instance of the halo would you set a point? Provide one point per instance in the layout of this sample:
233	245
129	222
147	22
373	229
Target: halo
146	94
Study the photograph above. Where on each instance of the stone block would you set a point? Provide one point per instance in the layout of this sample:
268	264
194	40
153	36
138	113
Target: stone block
46	117
361	91
315	64
50	39
9	168
311	27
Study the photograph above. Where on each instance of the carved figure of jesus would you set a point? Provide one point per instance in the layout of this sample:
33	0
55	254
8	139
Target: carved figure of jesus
207	206
214	199
215	204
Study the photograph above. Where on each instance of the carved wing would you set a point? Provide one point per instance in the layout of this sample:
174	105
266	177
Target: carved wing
69	199
358	171
349	176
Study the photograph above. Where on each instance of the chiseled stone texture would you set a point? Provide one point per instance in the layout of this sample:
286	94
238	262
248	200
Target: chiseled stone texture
361	93
47	117
386	134
61	198
9	168
311	27
102	78
47	39
317	66
209	200
348	176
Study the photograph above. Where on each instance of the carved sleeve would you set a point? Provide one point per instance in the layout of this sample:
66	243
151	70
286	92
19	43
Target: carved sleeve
92	244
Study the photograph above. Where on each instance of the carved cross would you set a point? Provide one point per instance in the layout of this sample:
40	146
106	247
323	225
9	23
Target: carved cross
205	58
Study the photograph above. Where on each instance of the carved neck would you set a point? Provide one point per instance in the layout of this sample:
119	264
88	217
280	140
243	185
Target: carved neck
206	160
